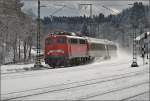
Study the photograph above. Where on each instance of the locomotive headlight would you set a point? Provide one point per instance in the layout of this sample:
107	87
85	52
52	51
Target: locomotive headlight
55	51
50	51
60	51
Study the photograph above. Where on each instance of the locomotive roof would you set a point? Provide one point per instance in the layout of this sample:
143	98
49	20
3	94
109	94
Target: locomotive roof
91	40
100	41
76	37
69	36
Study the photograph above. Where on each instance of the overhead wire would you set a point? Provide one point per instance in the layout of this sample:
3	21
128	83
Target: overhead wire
86	0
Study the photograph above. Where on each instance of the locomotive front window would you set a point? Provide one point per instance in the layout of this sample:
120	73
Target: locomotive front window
61	40
49	41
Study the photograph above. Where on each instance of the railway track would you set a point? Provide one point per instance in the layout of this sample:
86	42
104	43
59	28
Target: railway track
128	98
6	76
90	96
61	87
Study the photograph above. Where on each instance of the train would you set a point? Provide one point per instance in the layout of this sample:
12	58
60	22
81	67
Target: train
68	49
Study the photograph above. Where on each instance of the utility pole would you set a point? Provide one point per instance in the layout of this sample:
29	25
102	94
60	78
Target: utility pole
149	40
91	16
134	62
37	64
90	8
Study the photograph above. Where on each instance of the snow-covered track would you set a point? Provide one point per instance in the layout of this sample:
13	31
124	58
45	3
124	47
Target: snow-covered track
111	92
67	69
72	85
128	98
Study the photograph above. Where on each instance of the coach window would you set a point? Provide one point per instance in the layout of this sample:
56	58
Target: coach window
97	46
81	41
70	41
74	41
114	47
93	46
110	47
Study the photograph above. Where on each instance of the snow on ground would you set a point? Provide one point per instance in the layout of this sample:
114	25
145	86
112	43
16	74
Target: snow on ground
14	68
140	97
54	77
19	67
89	91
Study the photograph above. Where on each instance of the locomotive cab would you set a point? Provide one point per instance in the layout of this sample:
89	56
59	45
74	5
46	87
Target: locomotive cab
55	50
65	49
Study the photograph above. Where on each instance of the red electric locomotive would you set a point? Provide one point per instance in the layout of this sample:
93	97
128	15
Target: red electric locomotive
67	49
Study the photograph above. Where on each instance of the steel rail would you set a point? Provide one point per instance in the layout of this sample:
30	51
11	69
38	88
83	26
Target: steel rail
48	89
31	75
114	90
134	96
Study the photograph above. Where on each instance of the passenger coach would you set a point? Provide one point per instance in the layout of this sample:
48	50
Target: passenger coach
68	49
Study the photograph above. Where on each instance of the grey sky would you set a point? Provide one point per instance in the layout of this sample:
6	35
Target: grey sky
73	9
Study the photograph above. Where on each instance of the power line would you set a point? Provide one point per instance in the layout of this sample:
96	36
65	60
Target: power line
58	10
115	12
86	0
